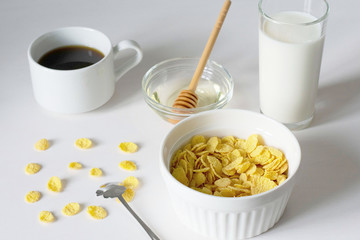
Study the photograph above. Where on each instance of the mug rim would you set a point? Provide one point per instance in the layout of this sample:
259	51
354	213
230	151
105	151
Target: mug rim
49	33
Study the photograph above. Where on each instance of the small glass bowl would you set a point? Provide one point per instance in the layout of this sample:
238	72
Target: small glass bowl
163	82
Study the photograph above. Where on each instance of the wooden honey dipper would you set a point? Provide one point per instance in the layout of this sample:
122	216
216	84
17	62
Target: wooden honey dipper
188	98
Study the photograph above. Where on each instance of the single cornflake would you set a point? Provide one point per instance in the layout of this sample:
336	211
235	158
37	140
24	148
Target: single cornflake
54	184
46	217
71	209
128	165
128	147
97	212
32	168
42	144
32	196
83	143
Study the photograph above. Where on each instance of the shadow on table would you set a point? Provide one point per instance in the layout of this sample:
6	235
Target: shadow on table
329	173
329	169
129	86
338	101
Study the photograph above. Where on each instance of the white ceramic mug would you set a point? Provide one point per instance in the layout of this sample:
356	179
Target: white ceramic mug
84	89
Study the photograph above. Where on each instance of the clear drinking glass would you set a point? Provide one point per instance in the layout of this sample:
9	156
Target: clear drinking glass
291	40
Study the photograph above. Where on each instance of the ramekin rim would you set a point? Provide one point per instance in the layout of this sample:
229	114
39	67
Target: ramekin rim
195	193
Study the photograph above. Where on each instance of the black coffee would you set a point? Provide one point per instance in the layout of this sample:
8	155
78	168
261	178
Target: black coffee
70	57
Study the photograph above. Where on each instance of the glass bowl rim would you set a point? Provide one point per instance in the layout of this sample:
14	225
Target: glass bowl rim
179	112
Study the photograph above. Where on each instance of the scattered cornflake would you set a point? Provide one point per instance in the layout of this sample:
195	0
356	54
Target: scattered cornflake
46	217
32	196
229	166
131	182
83	143
42	144
32	168
128	165
128	195
71	209
54	184
96	172
128	147
75	165
97	212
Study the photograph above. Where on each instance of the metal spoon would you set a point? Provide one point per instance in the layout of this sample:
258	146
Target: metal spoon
113	190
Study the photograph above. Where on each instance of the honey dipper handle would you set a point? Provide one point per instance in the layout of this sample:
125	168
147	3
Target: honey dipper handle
209	46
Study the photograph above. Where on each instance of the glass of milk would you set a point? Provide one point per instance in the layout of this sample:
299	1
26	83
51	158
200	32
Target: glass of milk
291	40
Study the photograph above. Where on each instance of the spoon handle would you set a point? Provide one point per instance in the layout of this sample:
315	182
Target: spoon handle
146	228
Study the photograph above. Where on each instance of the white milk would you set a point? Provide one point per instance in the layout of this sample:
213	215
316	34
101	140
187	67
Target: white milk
289	67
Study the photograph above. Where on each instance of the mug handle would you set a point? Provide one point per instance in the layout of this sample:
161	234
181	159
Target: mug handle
134	60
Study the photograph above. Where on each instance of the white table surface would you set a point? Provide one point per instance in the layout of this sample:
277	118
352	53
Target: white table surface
325	201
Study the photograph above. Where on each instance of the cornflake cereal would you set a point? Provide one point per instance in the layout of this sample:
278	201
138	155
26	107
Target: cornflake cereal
71	209
96	172
75	165
32	196
128	165
54	184
128	195
97	212
128	147
83	143
32	168
229	166
46	217
131	182
42	144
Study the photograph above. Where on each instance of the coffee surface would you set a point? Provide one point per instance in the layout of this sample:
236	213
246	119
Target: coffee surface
70	57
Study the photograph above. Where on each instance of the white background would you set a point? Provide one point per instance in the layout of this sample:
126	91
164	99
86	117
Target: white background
325	201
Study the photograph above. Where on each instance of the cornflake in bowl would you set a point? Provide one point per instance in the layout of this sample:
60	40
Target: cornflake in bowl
221	203
229	166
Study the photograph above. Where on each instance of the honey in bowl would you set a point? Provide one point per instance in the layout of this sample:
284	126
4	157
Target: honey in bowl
164	81
208	93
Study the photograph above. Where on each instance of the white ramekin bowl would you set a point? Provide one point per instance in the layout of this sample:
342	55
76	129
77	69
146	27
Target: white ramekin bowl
222	217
